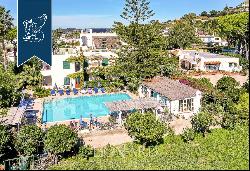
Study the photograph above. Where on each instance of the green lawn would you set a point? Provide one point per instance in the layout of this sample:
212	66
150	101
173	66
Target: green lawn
221	149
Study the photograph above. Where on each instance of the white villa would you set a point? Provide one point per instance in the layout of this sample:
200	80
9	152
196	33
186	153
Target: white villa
58	73
203	61
10	52
92	40
178	98
213	40
99	50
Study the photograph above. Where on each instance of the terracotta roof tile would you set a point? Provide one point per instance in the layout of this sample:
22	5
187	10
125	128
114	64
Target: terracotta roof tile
172	89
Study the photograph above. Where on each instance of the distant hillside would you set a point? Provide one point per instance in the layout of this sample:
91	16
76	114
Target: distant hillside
242	7
100	30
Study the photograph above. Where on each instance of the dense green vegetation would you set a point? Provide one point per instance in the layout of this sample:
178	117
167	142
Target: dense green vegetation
182	34
199	147
86	151
13	80
5	138
143	55
235	29
221	149
144	52
202	121
41	92
6	24
9	89
28	139
145	128
60	139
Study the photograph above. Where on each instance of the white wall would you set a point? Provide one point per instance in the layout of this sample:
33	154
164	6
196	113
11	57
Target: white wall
224	63
212	39
197	101
57	72
173	106
87	38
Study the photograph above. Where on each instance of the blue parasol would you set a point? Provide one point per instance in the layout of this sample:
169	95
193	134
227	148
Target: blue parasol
56	87
80	120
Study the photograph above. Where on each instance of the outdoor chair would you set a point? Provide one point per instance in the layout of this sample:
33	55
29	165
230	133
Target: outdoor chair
75	91
83	125
52	92
95	90
90	91
68	92
102	90
83	91
61	92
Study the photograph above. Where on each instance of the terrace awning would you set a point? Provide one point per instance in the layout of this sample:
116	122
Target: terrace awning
212	63
127	105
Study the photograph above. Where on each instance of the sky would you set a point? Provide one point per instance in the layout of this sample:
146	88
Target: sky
103	13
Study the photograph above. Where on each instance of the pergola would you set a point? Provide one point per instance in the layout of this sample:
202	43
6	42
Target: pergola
129	105
13	117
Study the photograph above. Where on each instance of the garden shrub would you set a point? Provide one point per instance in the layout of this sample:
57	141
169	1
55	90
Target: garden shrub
86	151
188	135
4	137
145	128
226	83
60	139
28	139
202	121
41	92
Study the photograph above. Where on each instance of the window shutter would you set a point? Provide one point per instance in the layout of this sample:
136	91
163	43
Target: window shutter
66	81
66	65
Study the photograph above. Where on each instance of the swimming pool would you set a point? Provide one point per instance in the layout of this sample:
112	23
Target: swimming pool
73	108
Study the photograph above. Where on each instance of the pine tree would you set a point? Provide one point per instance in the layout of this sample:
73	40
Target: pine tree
136	11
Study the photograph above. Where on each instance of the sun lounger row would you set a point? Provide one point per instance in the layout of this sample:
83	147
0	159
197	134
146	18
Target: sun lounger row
25	103
75	91
85	125
90	91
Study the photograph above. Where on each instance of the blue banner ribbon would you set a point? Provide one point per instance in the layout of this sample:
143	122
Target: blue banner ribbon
34	30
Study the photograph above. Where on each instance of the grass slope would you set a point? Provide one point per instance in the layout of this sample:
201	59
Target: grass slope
221	149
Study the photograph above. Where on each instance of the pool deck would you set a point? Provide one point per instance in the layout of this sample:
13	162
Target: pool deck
38	105
99	139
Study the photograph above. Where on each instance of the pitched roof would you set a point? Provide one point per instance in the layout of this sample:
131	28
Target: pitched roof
206	54
172	89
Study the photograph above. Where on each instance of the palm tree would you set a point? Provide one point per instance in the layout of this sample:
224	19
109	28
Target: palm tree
5	25
55	37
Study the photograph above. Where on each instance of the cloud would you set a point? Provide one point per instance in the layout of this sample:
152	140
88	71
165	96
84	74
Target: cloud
83	21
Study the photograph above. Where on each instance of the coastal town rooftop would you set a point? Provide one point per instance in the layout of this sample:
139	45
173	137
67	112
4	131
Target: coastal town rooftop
172	89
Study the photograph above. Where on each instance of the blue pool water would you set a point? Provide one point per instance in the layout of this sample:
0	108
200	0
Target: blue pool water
73	108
